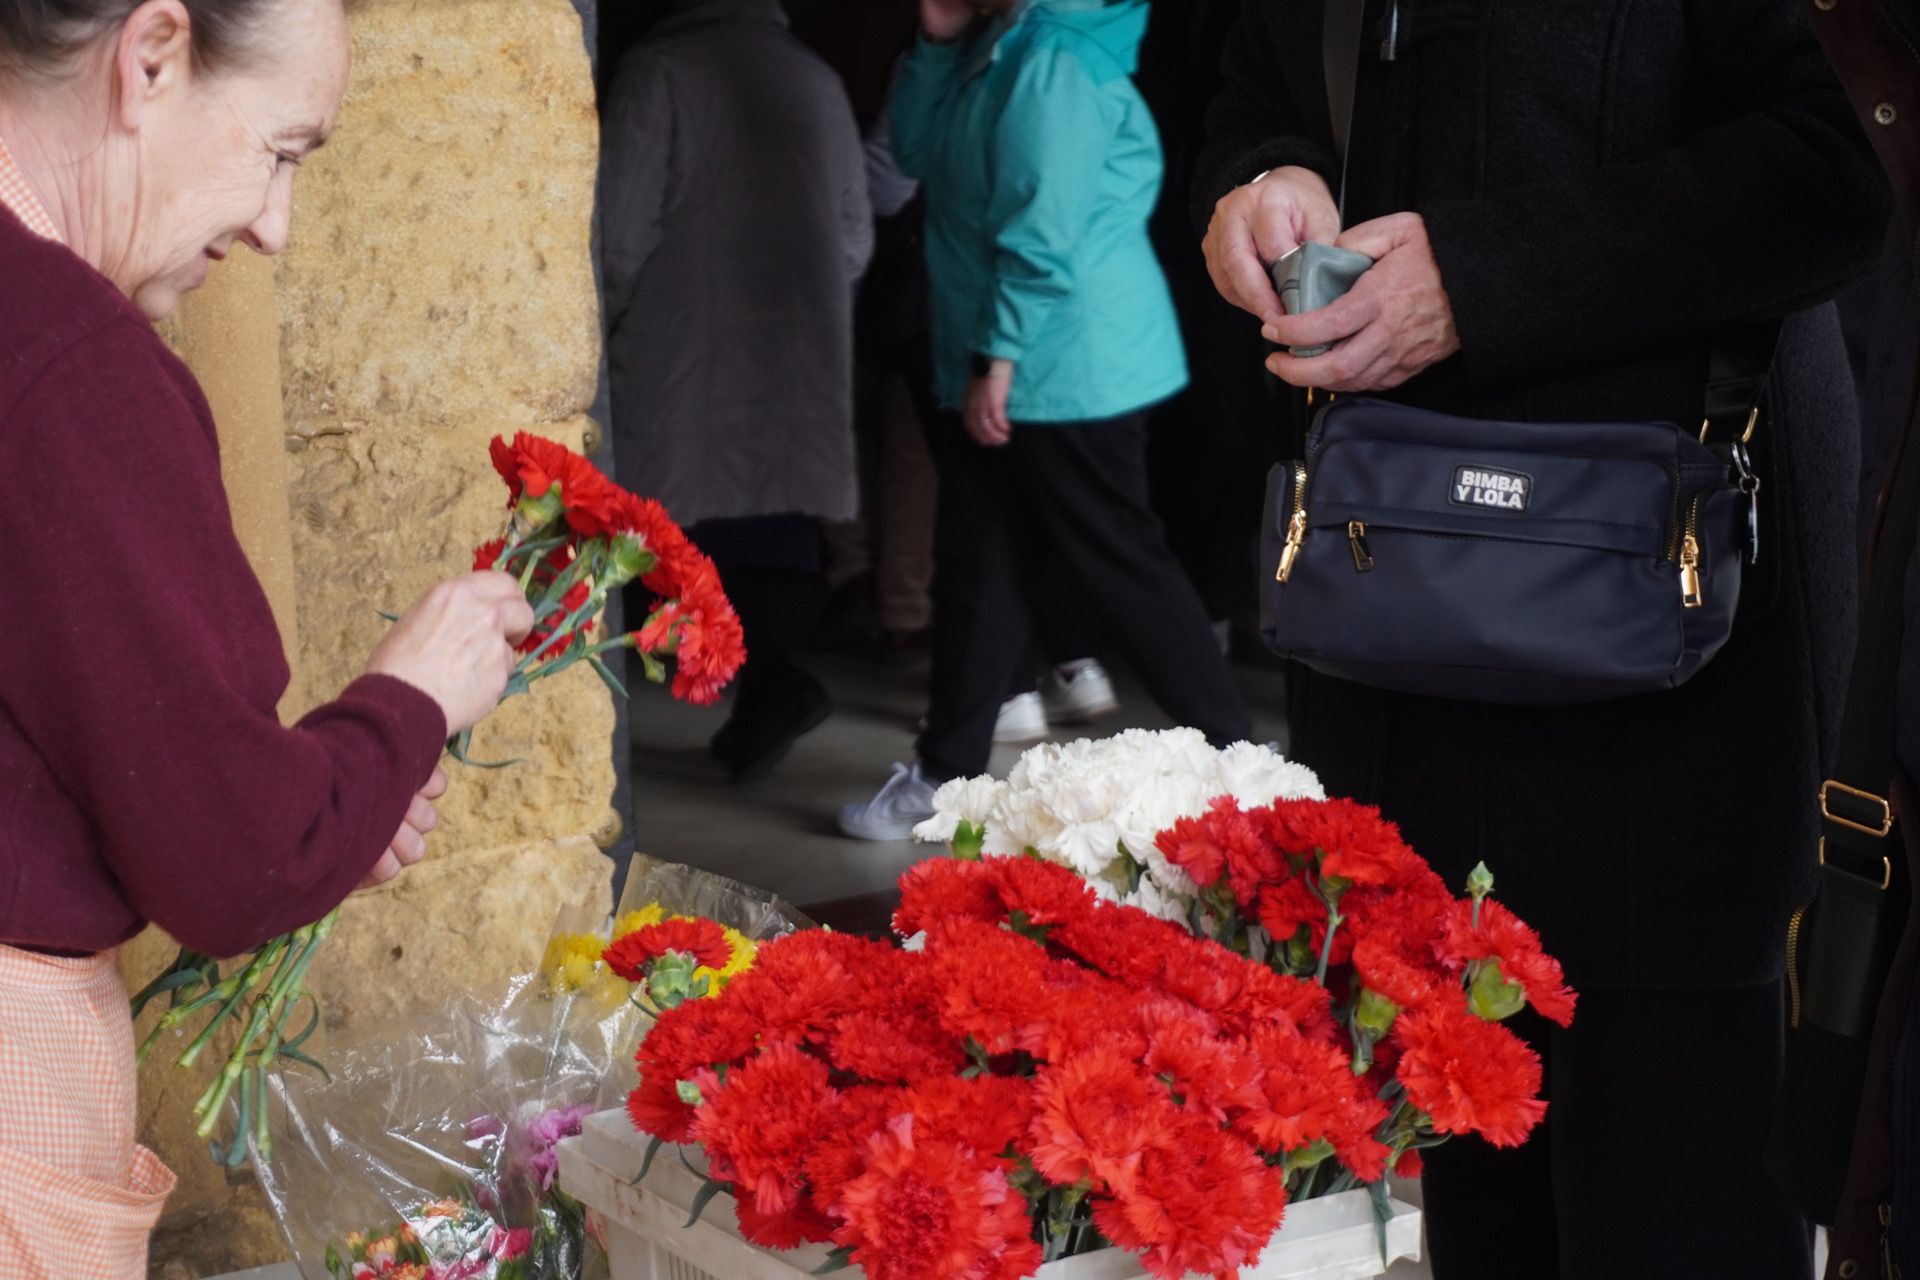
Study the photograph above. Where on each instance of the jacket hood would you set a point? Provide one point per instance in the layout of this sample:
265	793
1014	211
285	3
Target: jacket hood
1118	27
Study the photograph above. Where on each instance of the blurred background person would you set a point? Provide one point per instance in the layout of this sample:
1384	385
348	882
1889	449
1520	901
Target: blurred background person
735	227
1054	334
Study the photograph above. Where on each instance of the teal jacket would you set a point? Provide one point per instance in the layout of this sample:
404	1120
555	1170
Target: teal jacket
1042	166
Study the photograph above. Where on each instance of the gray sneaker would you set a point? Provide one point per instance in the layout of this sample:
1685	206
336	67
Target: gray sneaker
902	804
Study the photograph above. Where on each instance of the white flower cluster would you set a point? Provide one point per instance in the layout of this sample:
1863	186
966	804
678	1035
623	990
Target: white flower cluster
1097	806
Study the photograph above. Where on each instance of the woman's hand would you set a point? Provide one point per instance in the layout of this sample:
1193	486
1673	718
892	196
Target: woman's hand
410	841
985	414
456	645
1260	223
1395	324
945	21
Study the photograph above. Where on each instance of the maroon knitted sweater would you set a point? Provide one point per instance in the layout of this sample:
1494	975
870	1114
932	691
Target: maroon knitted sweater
144	773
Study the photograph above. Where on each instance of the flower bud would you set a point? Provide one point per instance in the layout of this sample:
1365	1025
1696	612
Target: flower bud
690	1094
1479	882
628	559
1490	995
534	514
1375	1013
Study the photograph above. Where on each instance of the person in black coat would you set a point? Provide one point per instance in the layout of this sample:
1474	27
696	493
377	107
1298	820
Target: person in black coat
1570	205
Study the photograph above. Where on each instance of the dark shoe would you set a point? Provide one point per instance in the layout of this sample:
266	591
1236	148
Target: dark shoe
759	734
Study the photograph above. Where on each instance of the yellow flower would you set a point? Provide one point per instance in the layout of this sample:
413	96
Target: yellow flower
573	962
634	921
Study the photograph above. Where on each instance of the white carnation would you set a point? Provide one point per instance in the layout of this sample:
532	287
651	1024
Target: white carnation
968	800
1257	776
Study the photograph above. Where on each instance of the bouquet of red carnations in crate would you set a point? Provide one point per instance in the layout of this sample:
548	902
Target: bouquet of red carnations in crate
1045	1073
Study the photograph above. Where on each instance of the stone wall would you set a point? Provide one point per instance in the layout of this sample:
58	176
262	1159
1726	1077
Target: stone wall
438	291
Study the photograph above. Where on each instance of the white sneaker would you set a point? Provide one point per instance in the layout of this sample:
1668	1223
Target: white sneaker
902	804
1023	718
1076	692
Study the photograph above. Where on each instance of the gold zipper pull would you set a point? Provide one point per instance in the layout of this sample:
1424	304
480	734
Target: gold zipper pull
1357	539
1691	596
1296	536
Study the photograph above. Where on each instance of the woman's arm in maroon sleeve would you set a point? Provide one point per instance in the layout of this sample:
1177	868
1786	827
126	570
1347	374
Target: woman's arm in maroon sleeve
142	661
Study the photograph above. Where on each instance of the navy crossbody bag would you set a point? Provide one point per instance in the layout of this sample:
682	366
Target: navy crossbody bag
1512	562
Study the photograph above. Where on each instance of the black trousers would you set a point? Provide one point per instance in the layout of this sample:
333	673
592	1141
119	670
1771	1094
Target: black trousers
771	568
1068	500
1649	1164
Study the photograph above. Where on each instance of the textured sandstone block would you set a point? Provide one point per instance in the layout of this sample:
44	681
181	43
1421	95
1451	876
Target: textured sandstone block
440	268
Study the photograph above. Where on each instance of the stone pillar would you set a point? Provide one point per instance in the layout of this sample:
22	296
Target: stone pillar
439	291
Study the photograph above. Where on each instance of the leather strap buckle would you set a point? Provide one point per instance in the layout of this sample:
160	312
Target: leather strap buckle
1881	832
1886	866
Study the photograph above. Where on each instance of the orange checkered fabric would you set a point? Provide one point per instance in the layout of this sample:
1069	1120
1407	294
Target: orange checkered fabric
19	198
78	1196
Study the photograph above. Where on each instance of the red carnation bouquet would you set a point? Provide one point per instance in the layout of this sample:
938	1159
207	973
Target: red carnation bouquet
1050	1073
573	539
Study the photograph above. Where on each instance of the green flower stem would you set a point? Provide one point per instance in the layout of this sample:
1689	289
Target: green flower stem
208	1108
1334	921
562	631
244	983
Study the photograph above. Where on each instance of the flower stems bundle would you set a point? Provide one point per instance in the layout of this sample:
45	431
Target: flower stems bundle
573	539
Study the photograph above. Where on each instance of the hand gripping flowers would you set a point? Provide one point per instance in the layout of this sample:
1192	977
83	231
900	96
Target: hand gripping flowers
573	539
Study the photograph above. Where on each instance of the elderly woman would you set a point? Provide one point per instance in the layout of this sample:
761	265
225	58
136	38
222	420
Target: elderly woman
144	775
1054	333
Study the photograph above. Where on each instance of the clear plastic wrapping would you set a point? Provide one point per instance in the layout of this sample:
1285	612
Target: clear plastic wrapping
426	1152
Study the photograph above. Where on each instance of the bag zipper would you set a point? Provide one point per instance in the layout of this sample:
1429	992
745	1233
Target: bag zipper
1887	1267
1296	526
1794	928
1692	594
1357	539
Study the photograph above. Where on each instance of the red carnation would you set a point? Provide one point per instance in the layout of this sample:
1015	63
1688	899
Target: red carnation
1097	1113
762	1124
947	889
1203	1202
1504	937
702	939
930	1210
532	465
1469	1075
990	986
1354	842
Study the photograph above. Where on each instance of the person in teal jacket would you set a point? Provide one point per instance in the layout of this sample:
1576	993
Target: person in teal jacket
1054	333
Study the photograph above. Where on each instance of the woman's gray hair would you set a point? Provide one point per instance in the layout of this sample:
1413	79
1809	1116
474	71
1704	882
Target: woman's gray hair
41	35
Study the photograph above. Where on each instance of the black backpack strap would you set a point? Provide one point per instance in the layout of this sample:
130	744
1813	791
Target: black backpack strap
1737	375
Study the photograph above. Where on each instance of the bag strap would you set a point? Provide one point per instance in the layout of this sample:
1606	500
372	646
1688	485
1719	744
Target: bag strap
1856	804
1343	27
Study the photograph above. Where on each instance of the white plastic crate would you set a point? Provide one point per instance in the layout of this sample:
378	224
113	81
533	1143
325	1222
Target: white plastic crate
648	1239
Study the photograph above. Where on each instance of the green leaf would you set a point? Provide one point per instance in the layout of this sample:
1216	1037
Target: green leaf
1382	1214
306	1061
313	1024
607	678
172	980
839	1260
705	1198
458	746
646	1165
387	617
656	670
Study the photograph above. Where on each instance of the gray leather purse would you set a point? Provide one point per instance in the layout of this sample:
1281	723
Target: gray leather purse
1311	277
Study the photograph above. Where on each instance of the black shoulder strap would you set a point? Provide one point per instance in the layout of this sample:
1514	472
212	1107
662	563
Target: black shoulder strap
1857	802
1343	27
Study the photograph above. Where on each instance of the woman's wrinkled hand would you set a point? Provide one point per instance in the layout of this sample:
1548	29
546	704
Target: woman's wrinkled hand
985	413
1396	323
457	645
945	20
409	843
1256	225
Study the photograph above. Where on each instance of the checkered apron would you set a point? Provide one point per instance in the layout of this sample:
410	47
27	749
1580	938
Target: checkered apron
78	1196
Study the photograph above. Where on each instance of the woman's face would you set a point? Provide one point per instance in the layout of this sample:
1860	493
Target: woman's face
207	159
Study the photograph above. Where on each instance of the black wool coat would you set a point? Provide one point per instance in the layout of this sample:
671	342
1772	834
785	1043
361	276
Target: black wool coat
1609	187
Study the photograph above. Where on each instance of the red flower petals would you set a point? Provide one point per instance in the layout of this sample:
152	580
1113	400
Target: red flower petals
701	939
1469	1075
